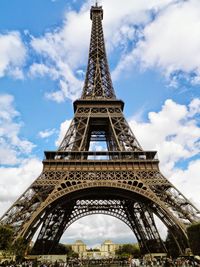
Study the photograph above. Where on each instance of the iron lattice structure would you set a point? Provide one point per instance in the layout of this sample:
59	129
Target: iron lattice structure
123	180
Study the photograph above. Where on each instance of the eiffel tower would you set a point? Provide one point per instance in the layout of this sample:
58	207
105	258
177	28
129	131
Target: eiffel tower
122	180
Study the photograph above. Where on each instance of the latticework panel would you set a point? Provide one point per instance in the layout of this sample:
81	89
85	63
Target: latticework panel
136	216
142	220
73	139
98	82
110	120
52	185
124	135
21	211
176	202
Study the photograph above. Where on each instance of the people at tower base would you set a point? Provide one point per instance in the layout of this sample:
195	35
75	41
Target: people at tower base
131	262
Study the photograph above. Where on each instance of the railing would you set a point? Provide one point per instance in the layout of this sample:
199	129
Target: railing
100	155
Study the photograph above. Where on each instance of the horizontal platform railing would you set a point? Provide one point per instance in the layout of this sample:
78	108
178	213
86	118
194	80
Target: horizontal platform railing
100	155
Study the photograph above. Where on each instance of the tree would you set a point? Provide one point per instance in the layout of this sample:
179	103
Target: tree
193	232
60	249
18	248
126	250
93	249
70	253
7	243
6	234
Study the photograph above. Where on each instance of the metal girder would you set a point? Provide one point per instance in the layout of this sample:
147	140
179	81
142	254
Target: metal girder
98	83
27	214
114	129
135	215
145	228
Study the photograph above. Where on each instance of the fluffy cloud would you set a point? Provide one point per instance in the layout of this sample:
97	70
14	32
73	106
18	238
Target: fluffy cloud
63	129
12	54
172	55
136	27
63	52
187	181
42	70
46	133
174	132
98	227
22	176
13	151
120	21
12	146
174	50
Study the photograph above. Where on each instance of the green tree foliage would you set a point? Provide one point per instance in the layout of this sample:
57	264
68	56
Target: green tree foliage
18	248
70	253
93	249
60	249
7	243
127	250
193	232
6	234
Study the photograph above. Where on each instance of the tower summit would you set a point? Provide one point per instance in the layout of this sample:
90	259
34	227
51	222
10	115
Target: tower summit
98	83
123	180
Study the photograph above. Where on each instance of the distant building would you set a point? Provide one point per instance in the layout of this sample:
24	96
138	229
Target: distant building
107	250
79	247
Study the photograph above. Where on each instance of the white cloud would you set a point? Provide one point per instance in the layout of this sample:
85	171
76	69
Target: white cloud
57	96
174	132
188	181
42	70
174	50
15	180
120	21
12	54
63	129
137	25
194	107
64	51
13	150
98	228
12	146
46	133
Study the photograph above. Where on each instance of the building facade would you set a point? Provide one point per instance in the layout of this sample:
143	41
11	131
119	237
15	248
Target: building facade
107	250
79	247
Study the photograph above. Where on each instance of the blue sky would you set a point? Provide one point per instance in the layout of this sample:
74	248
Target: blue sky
154	57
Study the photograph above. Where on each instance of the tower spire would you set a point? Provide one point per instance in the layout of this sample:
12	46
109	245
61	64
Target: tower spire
98	83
